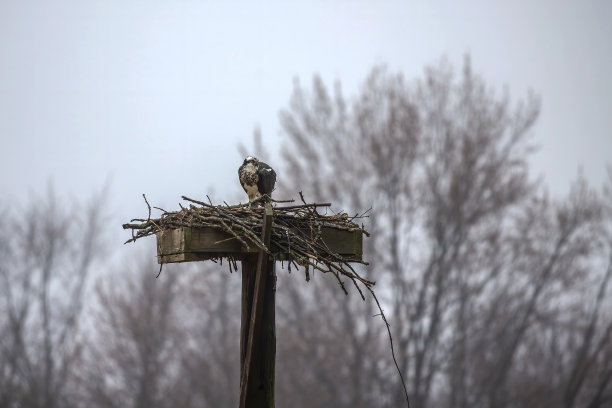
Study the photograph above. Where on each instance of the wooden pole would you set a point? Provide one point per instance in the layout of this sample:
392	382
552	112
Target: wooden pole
257	330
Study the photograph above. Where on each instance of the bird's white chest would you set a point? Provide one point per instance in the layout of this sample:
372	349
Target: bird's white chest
249	178
252	191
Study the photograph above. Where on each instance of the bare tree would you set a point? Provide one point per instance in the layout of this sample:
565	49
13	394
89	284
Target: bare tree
551	247
130	359
212	360
166	342
477	265
48	252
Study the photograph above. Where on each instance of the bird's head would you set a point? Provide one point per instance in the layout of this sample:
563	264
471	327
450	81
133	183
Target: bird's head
250	159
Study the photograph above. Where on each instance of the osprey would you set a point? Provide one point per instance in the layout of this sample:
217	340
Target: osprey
257	178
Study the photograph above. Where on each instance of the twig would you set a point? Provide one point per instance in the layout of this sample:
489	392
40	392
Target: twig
399	371
296	207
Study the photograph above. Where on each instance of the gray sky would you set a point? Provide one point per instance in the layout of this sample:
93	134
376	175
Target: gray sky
154	96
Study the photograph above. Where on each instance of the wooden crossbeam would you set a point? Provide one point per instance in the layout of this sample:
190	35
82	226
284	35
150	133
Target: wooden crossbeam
186	244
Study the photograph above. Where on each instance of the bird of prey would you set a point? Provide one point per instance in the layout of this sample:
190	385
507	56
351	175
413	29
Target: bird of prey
256	177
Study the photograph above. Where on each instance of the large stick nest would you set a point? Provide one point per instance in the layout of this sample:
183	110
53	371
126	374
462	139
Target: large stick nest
296	230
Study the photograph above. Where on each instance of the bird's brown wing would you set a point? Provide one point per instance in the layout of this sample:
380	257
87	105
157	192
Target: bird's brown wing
267	178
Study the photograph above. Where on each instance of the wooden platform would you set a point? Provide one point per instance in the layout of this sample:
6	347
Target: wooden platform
199	244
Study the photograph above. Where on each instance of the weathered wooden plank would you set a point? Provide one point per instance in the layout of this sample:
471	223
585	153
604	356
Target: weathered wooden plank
345	243
209	240
186	244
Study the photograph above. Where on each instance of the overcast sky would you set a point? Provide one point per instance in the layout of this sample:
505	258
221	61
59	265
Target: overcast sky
154	96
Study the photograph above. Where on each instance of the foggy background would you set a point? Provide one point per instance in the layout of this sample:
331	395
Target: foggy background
154	96
102	101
